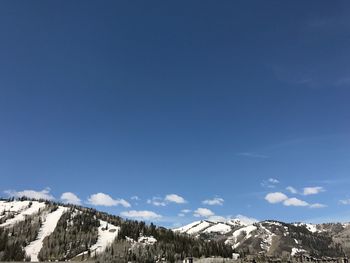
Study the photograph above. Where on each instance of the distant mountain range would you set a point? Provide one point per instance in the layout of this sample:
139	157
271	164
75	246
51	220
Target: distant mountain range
38	230
274	238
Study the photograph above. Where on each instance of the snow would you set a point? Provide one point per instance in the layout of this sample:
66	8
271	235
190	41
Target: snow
201	226
235	256
247	230
297	250
311	227
218	228
48	227
273	223
267	241
147	240
105	236
194	227
244	220
21	208
185	228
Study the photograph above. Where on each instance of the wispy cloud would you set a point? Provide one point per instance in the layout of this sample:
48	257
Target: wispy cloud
292	190
313	190
344	201
43	194
279	197
174	198
169	198
214	201
102	199
70	198
270	183
276	197
203	212
141	215
156	201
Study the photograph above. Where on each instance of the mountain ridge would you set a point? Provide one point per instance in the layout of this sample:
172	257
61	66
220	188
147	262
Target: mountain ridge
38	230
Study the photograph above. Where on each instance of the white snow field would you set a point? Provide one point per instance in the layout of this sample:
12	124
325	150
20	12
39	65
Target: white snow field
105	237
21	208
246	230
218	228
48	227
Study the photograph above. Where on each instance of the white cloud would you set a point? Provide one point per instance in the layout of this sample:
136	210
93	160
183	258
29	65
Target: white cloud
270	183
273	181
101	199
170	198
279	197
43	194
174	198
135	197
276	197
184	212
70	198
214	201
345	201
156	201
292	190
313	190
295	202
203	212
317	205
141	215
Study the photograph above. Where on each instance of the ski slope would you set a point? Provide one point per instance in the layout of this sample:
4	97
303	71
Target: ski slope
21	209
48	227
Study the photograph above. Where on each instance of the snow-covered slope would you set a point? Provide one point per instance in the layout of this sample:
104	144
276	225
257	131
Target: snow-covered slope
106	235
18	211
207	226
49	225
271	237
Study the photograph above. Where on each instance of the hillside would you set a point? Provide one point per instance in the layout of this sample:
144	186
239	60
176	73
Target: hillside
275	239
38	230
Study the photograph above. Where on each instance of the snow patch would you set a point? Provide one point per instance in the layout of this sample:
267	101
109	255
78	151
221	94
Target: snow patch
106	235
312	228
48	227
22	209
218	228
267	240
244	230
147	240
297	250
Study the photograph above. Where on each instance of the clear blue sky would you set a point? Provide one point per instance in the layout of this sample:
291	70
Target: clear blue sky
230	100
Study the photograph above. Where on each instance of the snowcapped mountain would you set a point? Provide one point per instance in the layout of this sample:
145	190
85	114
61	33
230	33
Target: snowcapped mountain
47	231
34	230
274	238
18	213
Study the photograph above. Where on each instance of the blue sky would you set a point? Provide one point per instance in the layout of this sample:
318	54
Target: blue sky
178	111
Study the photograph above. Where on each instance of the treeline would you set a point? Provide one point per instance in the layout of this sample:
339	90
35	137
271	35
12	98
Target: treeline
75	232
318	244
170	246
14	238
